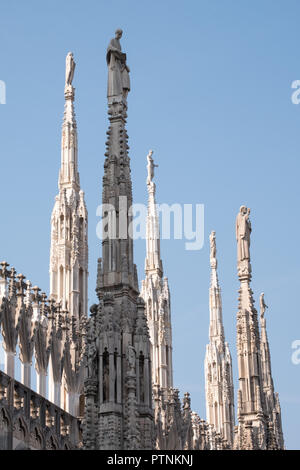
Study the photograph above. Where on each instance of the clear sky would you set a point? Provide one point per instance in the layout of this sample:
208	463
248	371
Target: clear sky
211	94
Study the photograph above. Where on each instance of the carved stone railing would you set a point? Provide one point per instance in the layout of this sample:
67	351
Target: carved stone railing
30	421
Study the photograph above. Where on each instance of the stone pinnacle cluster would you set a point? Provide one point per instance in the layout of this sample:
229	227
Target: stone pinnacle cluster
104	381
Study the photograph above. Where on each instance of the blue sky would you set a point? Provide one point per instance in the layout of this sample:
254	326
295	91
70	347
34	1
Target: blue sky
211	94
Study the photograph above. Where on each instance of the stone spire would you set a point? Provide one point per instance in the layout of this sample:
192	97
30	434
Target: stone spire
69	242
252	416
69	245
271	398
218	364
156	294
118	389
117	266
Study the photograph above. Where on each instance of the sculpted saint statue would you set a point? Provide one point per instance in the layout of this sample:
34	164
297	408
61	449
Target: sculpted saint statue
118	71
262	305
243	231
150	167
70	67
213	249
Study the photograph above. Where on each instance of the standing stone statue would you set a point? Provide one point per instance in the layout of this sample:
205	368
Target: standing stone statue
70	68
243	231
150	167
262	305
118	84
212	241
131	358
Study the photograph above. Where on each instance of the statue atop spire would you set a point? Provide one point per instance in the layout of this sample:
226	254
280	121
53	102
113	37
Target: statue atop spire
243	231
70	68
69	231
213	249
155	292
118	403
257	408
118	84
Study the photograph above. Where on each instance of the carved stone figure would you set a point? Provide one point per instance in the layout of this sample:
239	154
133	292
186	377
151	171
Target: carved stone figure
131	358
150	167
243	231
70	68
212	241
118	71
262	305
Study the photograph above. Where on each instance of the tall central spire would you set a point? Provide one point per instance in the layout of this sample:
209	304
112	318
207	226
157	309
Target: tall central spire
118	390
218	364
117	245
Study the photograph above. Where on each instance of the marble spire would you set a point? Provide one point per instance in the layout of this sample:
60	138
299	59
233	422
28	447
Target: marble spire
218	364
251	430
69	240
69	244
118	389
271	398
156	294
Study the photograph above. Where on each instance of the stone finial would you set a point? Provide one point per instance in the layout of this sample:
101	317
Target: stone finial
118	84
36	295
243	232
28	295
12	282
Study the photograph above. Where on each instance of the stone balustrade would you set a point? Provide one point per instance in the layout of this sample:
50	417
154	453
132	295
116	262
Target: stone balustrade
30	421
45	334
